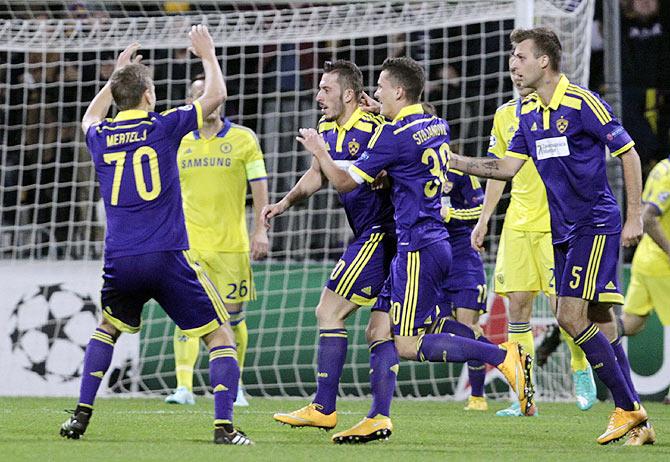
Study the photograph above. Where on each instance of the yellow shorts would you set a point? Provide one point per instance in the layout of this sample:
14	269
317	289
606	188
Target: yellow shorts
648	293
525	262
230	272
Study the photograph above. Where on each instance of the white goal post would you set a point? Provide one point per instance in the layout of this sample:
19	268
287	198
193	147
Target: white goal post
51	65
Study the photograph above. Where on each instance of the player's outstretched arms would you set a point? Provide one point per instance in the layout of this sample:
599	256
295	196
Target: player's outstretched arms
99	107
499	169
632	178
492	194
308	184
215	92
315	144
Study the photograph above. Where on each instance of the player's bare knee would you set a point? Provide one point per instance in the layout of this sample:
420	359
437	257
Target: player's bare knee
568	323
329	315
407	348
633	324
110	329
520	306
222	336
378	328
333	310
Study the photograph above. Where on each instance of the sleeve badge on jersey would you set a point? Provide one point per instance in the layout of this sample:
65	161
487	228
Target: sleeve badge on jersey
562	124
492	141
188	107
618	131
353	146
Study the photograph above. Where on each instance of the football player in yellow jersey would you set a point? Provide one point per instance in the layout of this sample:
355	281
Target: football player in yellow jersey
215	165
650	272
525	261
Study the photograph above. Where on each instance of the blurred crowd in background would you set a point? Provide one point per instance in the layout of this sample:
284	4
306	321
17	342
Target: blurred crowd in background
46	174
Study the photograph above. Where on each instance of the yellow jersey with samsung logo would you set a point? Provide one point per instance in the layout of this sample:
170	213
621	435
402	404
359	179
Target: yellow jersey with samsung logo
528	209
649	258
214	173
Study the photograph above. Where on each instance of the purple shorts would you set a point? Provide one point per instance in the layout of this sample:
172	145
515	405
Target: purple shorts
586	267
173	279
465	287
415	287
360	274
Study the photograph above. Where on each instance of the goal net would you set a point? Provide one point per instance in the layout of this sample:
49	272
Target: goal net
56	57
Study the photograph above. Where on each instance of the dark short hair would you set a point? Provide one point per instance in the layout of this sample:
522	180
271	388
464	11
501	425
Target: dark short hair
408	74
129	84
349	76
545	42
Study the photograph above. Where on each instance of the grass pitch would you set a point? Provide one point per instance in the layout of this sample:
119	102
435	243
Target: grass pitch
149	430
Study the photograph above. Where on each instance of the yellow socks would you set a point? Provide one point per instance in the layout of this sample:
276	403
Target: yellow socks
239	324
186	351
578	360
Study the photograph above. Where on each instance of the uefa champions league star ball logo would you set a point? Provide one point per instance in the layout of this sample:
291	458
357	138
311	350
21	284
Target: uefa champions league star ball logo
49	329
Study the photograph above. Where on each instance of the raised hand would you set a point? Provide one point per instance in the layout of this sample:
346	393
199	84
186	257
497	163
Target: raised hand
202	44
312	141
369	104
126	56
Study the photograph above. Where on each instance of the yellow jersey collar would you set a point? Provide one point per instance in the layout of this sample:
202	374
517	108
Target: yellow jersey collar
355	117
558	95
408	110
131	114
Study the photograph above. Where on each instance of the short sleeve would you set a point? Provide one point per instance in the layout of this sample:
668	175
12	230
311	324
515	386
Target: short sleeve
254	163
90	135
599	121
180	121
380	154
657	190
499	139
518	147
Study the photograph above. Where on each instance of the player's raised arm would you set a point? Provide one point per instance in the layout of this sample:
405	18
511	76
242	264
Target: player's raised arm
632	177
100	105
315	144
308	184
215	92
499	169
